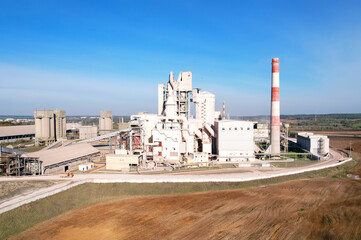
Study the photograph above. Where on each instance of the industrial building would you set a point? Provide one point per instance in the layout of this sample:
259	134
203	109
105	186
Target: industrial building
176	92
261	132
122	125
122	162
318	145
86	167
170	138
16	165
234	140
105	122
205	106
174	138
50	125
61	159
86	132
15	133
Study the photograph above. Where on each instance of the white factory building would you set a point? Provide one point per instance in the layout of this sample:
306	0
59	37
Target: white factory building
315	144
234	140
173	136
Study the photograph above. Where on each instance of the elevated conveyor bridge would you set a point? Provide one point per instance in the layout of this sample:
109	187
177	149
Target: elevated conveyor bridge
108	135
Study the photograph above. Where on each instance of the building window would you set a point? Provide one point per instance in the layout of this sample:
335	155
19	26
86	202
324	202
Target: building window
247	128
230	128
235	128
241	128
223	129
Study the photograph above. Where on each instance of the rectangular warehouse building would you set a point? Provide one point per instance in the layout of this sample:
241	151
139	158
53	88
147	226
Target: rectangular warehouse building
65	158
14	133
234	140
315	144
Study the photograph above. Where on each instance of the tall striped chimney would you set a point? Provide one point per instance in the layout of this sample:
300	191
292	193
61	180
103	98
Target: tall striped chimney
275	109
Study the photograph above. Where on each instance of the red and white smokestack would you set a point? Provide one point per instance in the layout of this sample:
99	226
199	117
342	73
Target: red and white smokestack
224	110
275	109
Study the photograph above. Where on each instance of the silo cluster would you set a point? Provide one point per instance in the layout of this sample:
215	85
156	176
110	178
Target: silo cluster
50	125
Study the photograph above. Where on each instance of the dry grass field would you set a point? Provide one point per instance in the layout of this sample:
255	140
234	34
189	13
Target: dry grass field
321	208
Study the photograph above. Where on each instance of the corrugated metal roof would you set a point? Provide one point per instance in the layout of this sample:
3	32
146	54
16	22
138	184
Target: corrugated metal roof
17	130
61	154
10	150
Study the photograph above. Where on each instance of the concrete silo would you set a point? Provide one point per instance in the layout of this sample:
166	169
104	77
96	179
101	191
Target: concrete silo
105	122
49	126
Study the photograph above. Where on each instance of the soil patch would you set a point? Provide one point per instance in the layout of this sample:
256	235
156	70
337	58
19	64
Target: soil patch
304	209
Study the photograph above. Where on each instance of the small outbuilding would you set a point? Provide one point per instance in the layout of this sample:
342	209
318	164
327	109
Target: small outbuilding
86	167
121	162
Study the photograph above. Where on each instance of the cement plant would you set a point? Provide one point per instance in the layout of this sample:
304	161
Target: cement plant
167	120
170	140
53	153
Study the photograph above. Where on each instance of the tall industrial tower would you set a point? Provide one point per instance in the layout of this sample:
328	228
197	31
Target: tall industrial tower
181	90
275	109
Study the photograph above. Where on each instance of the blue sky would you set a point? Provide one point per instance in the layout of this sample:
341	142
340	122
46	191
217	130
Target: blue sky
87	56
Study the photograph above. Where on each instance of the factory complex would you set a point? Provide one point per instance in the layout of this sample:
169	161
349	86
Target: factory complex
171	138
